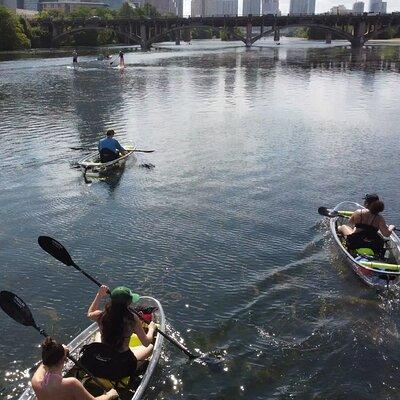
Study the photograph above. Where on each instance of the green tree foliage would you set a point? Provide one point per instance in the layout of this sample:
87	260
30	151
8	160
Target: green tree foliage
12	34
145	11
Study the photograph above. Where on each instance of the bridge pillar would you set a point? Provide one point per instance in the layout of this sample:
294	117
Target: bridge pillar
178	37
277	35
144	40
249	31
328	37
360	29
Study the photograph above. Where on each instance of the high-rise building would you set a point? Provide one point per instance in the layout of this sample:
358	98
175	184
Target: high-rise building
302	7
251	7
196	8
9	3
208	8
227	7
378	6
270	7
358	7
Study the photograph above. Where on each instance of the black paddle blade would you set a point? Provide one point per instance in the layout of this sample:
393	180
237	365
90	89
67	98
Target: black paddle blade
15	308
55	249
323	211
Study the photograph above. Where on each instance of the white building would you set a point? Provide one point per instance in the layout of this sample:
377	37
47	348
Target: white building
227	7
251	7
340	10
270	7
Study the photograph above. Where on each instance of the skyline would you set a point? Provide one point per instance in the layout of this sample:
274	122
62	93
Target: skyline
320	6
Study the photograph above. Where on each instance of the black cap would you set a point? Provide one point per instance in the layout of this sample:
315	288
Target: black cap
371	197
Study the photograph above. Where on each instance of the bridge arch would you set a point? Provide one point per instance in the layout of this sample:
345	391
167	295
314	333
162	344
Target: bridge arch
133	37
158	37
339	32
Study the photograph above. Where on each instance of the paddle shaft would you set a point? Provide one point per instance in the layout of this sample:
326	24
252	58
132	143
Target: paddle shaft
95	148
169	338
333	214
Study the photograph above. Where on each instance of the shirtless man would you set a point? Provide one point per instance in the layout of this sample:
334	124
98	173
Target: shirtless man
48	383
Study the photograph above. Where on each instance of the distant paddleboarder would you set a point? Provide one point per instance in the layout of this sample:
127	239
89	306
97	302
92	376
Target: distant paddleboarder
75	57
121	59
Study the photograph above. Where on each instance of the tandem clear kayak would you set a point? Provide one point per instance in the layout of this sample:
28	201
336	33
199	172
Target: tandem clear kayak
127	389
375	270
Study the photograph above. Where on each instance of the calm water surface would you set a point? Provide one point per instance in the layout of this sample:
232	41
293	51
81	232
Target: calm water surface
224	230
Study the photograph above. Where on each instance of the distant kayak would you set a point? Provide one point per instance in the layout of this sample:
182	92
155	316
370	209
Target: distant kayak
92	166
91	334
377	271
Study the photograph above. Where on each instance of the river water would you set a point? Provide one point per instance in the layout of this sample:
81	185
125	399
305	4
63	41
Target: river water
224	230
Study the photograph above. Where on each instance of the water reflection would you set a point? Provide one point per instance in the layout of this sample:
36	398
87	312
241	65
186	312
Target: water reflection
224	231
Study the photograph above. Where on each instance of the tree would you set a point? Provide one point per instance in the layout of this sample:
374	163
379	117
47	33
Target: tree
12	35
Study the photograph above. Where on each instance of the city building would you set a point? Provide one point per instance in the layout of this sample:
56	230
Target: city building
378	6
340	10
68	6
251	7
9	4
303	7
227	7
270	7
358	7
207	8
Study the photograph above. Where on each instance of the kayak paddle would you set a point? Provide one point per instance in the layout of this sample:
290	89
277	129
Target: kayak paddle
112	62
16	308
59	252
95	148
327	213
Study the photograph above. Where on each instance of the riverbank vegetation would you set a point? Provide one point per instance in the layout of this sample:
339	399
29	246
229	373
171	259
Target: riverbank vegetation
18	33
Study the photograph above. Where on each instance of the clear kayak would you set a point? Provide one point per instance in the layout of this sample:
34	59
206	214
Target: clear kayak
92	334
92	166
376	271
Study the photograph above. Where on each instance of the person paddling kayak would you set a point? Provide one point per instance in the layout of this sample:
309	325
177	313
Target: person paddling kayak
48	383
109	148
117	324
365	226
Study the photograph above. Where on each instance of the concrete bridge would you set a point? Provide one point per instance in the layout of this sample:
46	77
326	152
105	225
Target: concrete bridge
357	29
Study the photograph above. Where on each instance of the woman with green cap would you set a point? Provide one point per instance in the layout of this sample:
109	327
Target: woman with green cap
117	324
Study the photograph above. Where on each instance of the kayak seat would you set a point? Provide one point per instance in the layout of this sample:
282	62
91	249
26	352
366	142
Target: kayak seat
104	362
107	155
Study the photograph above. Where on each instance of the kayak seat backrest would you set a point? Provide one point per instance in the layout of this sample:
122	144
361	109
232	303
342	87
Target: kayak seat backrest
365	251
104	362
107	155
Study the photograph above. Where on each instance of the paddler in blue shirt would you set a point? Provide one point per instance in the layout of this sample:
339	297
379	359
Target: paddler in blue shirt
109	148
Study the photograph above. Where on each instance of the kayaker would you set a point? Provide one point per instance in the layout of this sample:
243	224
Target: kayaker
365	224
48	383
109	148
117	324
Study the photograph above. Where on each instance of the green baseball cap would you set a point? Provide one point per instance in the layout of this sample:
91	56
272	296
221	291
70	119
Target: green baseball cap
122	294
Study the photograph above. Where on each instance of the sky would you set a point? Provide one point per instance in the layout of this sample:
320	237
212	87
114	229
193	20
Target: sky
320	7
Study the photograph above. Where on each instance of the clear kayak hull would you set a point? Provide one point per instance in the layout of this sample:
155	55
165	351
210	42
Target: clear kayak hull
375	272
91	334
